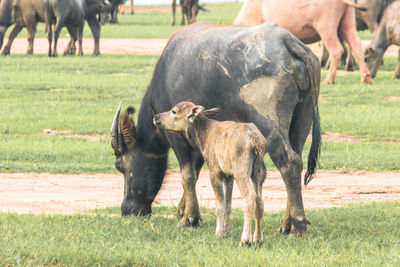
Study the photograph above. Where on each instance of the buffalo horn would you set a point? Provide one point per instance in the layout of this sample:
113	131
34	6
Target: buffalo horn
115	136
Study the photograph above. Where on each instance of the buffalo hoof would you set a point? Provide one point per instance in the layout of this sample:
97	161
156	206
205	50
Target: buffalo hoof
190	221
328	81
180	213
296	226
366	78
396	75
5	52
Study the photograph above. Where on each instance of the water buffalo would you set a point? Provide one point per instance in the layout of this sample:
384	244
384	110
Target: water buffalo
314	21
64	13
367	19
190	9
26	13
260	74
5	18
92	8
386	34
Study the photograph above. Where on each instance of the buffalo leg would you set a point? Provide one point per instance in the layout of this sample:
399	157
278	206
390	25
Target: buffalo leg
347	29
173	5
350	61
396	74
49	37
183	12
335	50
31	27
80	34
70	49
57	30
14	32
189	162
95	28
324	56
2	32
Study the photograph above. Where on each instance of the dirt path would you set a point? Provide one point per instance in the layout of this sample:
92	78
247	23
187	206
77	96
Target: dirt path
132	46
59	193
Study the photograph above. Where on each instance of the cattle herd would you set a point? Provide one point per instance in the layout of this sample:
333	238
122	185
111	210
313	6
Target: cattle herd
260	75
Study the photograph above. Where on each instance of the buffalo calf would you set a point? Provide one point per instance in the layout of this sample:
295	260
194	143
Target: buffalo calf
232	150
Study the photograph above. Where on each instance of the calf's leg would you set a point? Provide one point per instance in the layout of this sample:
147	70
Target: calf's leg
217	182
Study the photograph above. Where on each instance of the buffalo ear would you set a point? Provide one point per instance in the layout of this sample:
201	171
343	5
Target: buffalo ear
212	112
194	112
128	129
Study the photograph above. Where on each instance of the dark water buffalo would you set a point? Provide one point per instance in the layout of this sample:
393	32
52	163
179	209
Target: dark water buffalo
5	18
92	9
386	34
64	13
190	9
26	13
260	74
111	13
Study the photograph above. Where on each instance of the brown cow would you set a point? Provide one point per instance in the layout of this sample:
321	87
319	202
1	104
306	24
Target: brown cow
311	21
233	150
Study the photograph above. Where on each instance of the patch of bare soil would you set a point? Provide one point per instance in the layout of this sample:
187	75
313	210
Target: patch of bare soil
135	46
67	194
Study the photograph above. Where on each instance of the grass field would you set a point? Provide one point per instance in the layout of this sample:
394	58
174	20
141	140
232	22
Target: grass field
77	98
356	235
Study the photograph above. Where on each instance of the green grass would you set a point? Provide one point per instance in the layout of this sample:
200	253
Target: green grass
154	24
355	235
77	96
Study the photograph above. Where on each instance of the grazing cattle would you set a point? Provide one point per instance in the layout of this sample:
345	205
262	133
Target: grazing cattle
365	19
232	150
190	9
260	74
5	18
92	8
26	13
386	34
64	13
314	21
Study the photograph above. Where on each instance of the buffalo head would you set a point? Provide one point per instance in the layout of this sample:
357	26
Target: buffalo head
373	59
143	171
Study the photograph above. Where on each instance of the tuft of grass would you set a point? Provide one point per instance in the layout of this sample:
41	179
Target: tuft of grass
357	234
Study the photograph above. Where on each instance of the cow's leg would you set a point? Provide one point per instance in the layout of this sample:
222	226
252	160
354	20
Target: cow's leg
57	30
95	27
192	12
228	188
183	12
49	36
190	163
324	56
80	34
131	8
347	30
173	5
335	50
249	195
258	180
2	32
396	74
14	32
31	27
220	209
71	49
350	62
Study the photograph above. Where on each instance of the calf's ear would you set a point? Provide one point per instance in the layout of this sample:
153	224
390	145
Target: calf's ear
194	112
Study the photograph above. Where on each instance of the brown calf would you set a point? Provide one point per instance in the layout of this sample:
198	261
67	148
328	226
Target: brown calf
232	150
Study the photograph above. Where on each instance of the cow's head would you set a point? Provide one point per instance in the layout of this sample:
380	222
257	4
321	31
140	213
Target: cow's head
373	59
143	172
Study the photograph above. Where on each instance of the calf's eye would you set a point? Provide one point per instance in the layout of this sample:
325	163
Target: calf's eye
173	112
